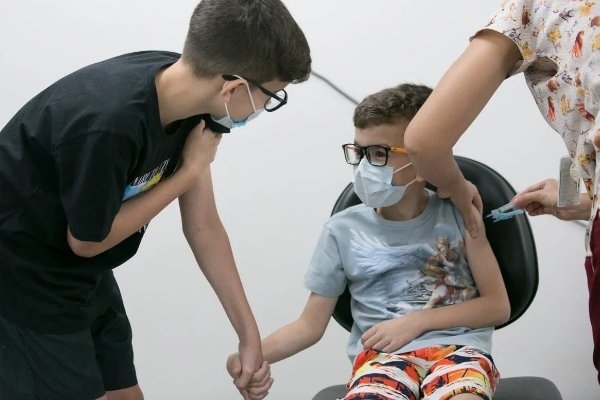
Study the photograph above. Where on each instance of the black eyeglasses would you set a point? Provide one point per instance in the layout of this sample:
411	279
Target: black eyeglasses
377	154
274	102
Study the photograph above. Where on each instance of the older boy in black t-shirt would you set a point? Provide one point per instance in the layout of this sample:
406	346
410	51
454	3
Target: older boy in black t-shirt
87	163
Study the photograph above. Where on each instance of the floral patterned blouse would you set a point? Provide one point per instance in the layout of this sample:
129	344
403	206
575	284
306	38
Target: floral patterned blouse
560	45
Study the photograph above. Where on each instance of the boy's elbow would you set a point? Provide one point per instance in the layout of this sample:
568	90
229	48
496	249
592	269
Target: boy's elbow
312	331
84	250
504	311
315	336
81	248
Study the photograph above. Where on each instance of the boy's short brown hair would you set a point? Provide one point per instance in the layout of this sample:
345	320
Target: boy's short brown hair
256	39
399	103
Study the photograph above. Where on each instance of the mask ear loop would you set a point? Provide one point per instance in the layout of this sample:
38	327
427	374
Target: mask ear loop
401	168
249	95
249	91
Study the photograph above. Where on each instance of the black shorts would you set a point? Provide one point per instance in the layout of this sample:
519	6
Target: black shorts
77	366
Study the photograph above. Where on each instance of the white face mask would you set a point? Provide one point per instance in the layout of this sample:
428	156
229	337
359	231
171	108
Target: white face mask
373	185
229	122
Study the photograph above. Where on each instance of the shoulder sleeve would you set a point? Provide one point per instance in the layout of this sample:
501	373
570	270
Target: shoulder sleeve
325	275
520	21
460	221
92	172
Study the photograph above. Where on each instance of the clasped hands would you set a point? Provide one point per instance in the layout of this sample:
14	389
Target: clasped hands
252	384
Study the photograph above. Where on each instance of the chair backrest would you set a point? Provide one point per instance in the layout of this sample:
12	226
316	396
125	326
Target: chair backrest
511	240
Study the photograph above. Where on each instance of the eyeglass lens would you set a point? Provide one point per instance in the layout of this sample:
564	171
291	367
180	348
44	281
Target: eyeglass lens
273	103
376	154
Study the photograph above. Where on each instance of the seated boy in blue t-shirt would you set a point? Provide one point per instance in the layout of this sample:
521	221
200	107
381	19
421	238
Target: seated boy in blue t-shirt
425	295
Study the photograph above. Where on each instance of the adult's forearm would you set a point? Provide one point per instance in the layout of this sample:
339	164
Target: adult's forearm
439	168
584	208
458	98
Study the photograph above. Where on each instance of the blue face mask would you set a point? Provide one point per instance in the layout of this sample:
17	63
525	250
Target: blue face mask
229	122
373	185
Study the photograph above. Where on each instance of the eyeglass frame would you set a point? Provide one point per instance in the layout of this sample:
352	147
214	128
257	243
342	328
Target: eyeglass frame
364	152
266	91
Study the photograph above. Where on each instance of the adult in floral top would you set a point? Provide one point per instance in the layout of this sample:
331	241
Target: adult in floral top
556	45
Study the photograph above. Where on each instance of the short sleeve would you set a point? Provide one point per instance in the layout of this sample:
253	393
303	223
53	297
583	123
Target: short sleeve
458	218
516	20
92	172
325	275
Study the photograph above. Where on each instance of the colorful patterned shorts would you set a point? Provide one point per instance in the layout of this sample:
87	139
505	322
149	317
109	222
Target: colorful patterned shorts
432	373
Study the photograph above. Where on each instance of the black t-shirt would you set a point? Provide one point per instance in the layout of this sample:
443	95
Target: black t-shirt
70	157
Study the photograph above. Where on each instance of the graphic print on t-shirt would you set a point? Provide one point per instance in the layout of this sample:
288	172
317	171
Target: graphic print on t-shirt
146	181
413	276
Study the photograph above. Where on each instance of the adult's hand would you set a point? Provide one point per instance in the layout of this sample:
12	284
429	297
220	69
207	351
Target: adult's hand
542	199
465	196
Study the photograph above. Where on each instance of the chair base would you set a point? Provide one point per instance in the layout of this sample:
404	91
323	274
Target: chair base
517	388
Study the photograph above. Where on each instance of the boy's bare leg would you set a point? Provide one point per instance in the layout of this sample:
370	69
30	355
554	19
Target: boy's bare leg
131	393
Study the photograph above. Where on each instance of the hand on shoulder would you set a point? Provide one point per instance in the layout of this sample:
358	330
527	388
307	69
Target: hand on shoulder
465	197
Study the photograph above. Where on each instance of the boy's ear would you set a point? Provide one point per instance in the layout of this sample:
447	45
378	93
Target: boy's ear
229	87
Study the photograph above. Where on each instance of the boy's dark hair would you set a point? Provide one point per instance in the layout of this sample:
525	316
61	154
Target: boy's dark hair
399	103
256	39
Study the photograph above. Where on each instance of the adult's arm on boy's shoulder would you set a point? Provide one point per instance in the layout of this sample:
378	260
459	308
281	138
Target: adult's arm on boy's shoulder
459	97
210	245
307	330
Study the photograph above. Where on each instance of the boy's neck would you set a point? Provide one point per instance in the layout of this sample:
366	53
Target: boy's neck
411	205
181	94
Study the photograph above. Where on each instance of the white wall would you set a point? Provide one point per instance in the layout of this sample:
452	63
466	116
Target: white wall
277	180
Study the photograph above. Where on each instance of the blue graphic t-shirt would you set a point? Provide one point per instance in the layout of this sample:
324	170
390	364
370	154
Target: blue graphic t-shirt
393	268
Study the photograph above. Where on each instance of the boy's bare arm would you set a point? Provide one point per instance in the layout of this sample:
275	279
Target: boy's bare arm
459	97
491	308
307	330
210	245
199	152
287	341
298	335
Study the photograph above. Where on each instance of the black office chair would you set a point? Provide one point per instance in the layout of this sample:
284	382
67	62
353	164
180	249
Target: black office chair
514	247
